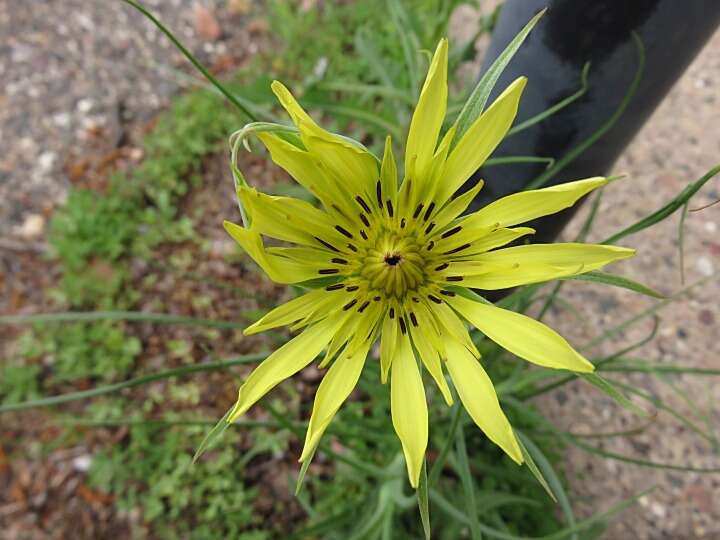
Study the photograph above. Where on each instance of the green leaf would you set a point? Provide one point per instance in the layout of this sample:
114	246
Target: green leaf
530	462
212	436
423	503
543	465
607	387
303	471
660	214
616	281
480	94
463	470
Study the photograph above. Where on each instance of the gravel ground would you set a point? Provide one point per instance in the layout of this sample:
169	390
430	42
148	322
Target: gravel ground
75	73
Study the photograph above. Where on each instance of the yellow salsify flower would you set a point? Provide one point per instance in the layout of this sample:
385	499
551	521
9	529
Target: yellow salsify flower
400	256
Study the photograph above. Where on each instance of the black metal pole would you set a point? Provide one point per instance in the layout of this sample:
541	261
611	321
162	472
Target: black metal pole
574	32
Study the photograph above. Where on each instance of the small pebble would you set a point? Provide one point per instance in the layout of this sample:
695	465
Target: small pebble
82	463
705	266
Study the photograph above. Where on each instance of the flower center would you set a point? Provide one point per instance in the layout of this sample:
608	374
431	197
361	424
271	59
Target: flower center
394	265
394	259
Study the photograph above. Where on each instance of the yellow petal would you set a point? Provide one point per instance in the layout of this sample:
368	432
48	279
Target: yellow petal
346	161
279	269
526	205
389	341
480	139
286	218
512	276
431	360
534	263
478	396
287	313
334	389
283	363
521	335
304	168
451	325
480	240
429	114
457	206
388	176
409	409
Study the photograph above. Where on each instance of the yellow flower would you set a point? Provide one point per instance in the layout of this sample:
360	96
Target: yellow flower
397	258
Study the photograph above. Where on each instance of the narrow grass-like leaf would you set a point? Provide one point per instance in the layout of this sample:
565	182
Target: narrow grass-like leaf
408	42
676	203
681	241
303	470
530	462
637	461
437	467
562	534
636	365
606	278
366	48
463	470
359	114
135	316
509	160
649	312
543	464
212	436
607	388
131	383
194	61
423	501
478	98
371	90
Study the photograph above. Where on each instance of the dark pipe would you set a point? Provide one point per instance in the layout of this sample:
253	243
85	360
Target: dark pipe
571	33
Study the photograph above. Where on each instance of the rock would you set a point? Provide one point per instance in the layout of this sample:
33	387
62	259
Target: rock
705	266
206	24
32	227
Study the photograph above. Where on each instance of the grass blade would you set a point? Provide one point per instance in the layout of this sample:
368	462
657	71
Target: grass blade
530	462
131	383
212	436
194	61
607	388
553	479
480	94
445	451
606	278
423	503
677	202
463	470
137	316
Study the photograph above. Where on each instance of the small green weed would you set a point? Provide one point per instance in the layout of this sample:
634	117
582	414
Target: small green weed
153	472
99	349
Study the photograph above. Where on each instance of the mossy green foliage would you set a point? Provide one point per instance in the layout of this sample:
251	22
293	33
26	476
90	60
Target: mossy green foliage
153	472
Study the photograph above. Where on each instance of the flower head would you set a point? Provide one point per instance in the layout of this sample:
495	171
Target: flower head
397	259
